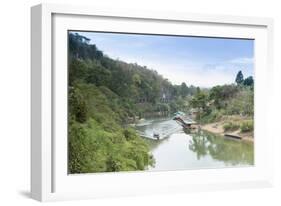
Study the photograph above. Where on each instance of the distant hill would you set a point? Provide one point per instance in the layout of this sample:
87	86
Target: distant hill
135	84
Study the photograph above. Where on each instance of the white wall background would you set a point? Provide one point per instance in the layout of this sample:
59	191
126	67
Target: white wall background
15	103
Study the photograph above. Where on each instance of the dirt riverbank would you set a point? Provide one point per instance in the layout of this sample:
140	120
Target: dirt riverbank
217	128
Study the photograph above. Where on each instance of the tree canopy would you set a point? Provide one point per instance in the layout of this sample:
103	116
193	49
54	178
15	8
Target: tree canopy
249	81
105	95
239	78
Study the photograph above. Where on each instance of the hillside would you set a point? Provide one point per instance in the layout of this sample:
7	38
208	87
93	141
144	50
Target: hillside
141	90
106	95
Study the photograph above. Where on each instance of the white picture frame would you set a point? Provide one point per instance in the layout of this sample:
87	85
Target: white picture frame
49	178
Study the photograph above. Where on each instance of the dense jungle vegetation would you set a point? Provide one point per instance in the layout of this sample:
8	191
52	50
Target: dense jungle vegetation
231	105
106	94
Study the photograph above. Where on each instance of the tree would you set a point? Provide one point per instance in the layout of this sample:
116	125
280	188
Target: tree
215	95
220	95
183	89
249	81
199	101
136	80
78	107
239	78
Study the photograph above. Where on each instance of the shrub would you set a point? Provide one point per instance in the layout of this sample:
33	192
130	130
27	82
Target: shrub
94	149
247	126
210	116
230	126
129	134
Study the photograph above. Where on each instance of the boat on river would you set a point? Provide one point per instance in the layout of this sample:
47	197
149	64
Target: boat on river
186	123
156	135
233	136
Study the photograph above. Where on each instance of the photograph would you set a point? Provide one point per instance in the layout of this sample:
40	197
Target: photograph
159	102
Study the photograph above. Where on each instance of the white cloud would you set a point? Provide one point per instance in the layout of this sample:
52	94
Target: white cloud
186	69
244	60
195	73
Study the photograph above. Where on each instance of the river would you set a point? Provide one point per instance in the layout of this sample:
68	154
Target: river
180	151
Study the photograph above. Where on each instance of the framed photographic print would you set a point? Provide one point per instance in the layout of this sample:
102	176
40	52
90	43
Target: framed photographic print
135	102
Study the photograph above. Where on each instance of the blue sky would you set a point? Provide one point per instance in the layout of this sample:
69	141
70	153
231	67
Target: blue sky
199	61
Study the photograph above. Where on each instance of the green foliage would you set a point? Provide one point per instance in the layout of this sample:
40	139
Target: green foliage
239	78
213	116
105	95
93	148
132	83
79	48
231	126
220	95
249	81
78	107
184	90
200	100
226	100
242	103
78	71
247	126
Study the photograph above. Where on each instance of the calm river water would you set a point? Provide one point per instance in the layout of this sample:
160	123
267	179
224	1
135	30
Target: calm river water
179	151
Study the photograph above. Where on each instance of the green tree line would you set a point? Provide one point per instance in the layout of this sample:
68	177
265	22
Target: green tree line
141	89
226	100
104	95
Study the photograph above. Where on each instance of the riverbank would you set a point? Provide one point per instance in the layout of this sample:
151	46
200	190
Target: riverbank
218	128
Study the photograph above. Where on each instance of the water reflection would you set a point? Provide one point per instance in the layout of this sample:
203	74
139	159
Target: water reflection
194	151
231	152
199	144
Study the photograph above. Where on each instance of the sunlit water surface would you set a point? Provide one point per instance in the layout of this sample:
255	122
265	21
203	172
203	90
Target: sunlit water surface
181	151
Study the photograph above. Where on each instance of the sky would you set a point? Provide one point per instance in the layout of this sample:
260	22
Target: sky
197	61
